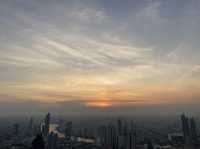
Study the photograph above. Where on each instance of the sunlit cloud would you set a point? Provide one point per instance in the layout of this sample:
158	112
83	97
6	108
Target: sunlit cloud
143	53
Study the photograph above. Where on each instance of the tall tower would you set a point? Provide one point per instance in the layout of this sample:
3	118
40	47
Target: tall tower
47	124
119	126
30	126
112	137
131	140
185	128
52	141
102	132
125	136
16	129
68	131
193	131
130	137
189	132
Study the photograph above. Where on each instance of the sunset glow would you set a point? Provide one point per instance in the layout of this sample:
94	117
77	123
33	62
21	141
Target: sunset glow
131	54
99	104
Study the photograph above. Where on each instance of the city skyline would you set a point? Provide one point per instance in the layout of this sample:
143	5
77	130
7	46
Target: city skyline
99	55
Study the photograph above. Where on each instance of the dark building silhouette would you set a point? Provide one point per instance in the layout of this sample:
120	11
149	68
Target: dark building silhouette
193	131
42	129
111	139
68	130
189	131
30	127
47	124
132	137
31	124
119	126
102	131
38	142
149	145
185	128
16	129
52	141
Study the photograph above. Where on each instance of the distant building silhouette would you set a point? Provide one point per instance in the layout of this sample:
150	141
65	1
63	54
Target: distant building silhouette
16	129
149	145
30	126
189	131
47	124
42	129
102	131
132	137
119	126
52	141
38	142
68	131
122	137
111	139
193	131
185	128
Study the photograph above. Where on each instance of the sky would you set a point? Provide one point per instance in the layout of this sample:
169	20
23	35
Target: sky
99	55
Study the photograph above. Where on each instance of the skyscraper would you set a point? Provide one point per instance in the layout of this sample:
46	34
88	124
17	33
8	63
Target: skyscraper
119	126
129	137
68	131
125	136
185	128
193	131
131	140
111	139
38	142
189	131
102	132
46	124
16	129
52	141
132	137
30	126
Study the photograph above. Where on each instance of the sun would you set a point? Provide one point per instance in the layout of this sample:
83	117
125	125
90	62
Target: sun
99	104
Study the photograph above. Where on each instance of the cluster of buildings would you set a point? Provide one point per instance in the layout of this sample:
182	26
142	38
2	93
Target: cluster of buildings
189	132
121	136
113	135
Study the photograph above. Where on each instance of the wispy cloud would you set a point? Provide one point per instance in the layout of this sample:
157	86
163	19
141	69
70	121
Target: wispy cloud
142	51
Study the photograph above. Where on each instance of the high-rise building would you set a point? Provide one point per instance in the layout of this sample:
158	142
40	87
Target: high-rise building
42	129
119	126
102	132
132	137
189	131
131	140
125	136
52	140
36	129
112	137
38	142
30	126
185	128
68	131
193	131
16	129
120	142
47	124
129	137
149	145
